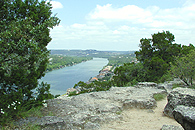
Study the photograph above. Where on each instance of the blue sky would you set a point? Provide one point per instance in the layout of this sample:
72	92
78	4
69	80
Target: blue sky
119	25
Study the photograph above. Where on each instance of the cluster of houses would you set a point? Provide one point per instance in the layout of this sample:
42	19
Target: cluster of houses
107	71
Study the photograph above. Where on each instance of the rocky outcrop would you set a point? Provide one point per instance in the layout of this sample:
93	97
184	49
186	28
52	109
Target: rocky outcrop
90	110
185	116
168	85
181	106
179	96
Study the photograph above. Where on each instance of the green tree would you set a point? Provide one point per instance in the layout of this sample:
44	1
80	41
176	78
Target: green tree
184	67
157	53
129	73
25	26
157	67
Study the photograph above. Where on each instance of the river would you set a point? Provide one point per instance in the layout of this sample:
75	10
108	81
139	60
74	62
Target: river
62	79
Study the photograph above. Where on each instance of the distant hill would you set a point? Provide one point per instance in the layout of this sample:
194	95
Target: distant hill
90	53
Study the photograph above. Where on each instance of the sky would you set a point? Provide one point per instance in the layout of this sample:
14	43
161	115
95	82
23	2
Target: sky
118	25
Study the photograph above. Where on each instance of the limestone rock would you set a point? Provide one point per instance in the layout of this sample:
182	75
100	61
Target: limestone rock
146	84
168	85
185	116
179	96
51	122
171	127
90	110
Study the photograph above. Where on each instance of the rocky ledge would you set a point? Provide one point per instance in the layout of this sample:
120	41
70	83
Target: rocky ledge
90	110
179	96
181	106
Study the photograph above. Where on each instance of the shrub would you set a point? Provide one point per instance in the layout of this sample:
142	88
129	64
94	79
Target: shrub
159	96
73	93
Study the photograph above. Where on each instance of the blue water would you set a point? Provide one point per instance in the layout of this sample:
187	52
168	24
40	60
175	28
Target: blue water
62	79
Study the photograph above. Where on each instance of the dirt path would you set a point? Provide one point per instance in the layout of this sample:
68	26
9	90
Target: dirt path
139	119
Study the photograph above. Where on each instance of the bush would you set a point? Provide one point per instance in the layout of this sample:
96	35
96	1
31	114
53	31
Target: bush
15	103
73	93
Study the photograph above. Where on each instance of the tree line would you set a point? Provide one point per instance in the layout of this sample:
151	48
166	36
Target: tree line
60	61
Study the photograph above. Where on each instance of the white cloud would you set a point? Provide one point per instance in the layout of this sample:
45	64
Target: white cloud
129	12
152	16
116	32
111	28
56	5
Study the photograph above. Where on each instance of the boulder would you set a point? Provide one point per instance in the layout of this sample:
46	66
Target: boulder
179	96
185	116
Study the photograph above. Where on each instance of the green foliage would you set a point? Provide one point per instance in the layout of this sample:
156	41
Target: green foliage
176	86
92	87
184	67
192	86
128	74
159	96
33	112
73	93
156	54
24	26
166	77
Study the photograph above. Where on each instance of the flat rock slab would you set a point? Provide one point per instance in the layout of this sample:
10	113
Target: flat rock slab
90	110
